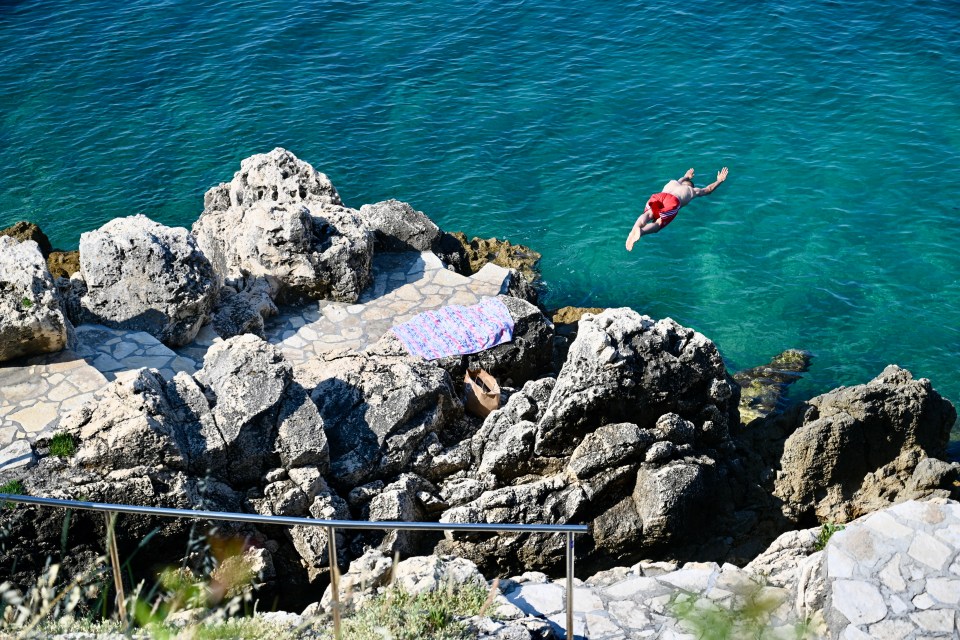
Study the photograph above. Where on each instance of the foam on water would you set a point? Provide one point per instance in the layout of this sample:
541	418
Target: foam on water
548	124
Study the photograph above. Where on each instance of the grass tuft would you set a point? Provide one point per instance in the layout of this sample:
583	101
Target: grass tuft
14	488
399	615
62	445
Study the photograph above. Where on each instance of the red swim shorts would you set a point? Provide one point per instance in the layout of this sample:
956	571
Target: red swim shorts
664	207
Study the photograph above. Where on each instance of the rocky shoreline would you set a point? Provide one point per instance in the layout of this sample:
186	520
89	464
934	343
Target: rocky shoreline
610	418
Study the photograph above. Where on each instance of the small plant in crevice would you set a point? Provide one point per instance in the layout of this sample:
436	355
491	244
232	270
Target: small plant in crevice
823	537
26	303
750	613
14	488
62	445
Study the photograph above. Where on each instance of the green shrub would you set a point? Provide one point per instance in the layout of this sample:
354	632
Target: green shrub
62	445
748	615
26	303
402	616
827	530
14	488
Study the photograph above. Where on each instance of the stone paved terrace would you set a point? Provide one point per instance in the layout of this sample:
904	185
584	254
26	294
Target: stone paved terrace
35	392
891	575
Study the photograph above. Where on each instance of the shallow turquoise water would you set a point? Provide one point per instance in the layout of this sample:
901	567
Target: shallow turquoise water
548	123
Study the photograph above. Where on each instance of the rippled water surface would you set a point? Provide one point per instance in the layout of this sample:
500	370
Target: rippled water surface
548	123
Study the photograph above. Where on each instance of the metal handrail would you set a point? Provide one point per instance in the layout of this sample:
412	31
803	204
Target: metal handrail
332	525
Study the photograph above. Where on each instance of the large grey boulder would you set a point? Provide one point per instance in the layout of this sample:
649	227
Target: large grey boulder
625	367
131	423
312	543
378	410
856	449
399	227
259	410
240	435
281	222
234	419
673	499
31	318
608	447
633	436
551	500
144	276
503	446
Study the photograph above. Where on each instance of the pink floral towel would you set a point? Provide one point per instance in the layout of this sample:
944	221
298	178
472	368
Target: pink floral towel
454	329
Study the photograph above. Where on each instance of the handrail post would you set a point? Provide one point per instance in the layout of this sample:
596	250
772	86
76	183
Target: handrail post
569	585
334	581
111	520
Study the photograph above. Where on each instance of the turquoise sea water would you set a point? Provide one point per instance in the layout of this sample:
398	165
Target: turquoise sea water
548	123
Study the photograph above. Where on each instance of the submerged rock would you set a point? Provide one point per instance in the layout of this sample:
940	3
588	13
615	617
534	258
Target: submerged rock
763	389
31	318
144	276
63	264
23	230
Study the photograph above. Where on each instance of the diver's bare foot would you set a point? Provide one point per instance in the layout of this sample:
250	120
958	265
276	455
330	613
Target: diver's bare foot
632	238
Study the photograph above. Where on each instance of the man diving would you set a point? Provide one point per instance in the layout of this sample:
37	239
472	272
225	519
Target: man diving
663	207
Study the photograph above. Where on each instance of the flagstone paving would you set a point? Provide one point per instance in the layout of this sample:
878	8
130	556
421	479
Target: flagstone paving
404	284
36	392
891	574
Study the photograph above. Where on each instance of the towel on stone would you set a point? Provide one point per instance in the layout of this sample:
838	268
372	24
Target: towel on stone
457	330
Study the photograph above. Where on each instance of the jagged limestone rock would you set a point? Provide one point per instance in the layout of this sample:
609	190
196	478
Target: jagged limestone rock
399	227
625	367
31	318
144	276
854	449
281	222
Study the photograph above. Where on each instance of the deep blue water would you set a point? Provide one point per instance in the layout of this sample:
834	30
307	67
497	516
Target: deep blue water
548	123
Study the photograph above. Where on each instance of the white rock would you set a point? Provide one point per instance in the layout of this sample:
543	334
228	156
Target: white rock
929	551
17	454
852	633
891	577
935	620
945	590
860	602
839	562
31	320
631	587
923	601
891	630
887	526
538	599
692	577
144	276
